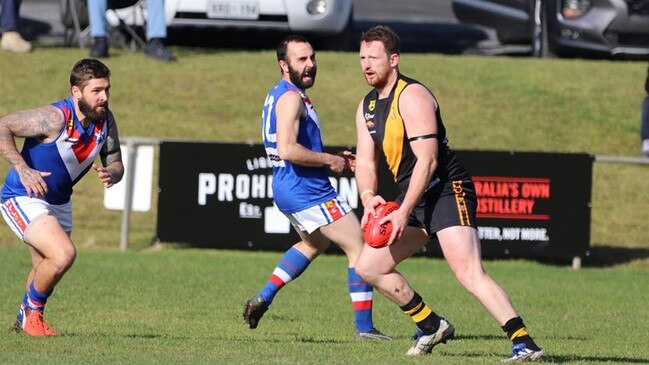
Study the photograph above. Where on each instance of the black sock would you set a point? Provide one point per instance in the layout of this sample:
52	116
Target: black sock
425	319
517	333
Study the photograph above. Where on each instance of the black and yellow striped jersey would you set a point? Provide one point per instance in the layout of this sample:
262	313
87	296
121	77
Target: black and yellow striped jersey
385	124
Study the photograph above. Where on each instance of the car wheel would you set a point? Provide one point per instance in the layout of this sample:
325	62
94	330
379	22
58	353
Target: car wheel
540	37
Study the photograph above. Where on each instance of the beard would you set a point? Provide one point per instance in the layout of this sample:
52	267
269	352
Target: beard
296	77
91	112
379	80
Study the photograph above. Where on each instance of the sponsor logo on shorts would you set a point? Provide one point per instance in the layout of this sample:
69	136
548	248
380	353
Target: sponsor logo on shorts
333	209
15	216
460	201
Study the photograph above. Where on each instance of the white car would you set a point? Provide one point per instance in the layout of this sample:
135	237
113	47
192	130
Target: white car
329	20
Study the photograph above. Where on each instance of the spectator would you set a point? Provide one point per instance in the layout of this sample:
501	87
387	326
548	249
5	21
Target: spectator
156	30
11	39
644	120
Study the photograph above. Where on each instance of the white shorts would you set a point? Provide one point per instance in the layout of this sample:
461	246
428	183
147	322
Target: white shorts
20	211
310	219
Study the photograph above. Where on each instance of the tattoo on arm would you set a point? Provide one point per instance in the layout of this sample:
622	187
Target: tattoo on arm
45	122
111	155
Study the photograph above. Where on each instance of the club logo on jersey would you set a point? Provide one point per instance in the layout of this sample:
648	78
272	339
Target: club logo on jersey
99	136
83	145
371	105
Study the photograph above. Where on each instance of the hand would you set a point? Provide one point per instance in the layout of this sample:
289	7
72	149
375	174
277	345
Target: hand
337	164
350	160
370	206
399	220
33	181
104	175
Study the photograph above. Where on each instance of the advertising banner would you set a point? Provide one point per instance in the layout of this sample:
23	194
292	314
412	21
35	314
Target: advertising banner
219	195
532	204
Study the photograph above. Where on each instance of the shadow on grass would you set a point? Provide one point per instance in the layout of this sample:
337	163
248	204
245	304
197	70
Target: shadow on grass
595	359
563	359
605	256
597	257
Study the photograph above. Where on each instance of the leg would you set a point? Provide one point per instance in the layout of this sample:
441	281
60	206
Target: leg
52	254
46	237
97	17
11	40
461	248
98	28
156	26
644	127
346	233
294	262
156	32
378	267
9	15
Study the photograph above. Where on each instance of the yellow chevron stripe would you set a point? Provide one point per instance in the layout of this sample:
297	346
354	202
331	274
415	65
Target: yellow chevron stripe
425	312
521	332
414	310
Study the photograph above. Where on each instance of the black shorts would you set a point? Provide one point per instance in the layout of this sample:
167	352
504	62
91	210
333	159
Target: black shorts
452	203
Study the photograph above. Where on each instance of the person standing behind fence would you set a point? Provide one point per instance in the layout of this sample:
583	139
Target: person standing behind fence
644	120
301	187
61	143
400	120
11	40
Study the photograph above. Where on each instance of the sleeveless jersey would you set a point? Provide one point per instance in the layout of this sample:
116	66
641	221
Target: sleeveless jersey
295	188
68	157
385	124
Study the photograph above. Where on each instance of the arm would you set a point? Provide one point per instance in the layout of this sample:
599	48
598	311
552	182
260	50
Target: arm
366	162
417	106
44	123
112	169
289	110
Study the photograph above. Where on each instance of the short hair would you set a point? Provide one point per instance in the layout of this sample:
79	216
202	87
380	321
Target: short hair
283	45
385	35
88	69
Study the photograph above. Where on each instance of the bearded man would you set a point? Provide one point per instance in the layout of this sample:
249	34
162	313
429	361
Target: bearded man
301	187
61	143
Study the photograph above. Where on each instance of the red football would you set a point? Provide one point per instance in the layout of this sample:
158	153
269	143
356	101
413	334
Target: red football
375	234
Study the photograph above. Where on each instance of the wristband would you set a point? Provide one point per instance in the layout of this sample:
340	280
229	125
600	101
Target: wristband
365	192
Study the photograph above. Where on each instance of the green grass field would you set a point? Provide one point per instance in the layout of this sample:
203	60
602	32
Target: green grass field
488	103
184	307
169	304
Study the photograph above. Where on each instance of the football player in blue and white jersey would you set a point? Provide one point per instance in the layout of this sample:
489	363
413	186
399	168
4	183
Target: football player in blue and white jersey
62	141
301	187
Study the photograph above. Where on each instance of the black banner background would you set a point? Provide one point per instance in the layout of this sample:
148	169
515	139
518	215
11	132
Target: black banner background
216	195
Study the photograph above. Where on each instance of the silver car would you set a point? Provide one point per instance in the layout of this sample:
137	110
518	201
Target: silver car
329	20
615	28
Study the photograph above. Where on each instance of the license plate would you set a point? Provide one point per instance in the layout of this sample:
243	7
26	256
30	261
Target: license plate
233	9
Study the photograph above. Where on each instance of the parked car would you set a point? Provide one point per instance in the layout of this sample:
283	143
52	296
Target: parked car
615	28
329	20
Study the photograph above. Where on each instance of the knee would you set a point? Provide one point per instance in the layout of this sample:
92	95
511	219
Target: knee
366	271
64	259
471	280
